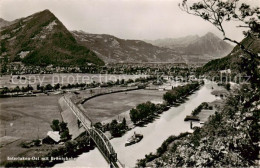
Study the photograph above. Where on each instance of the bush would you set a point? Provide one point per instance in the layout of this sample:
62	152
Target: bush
143	111
117	129
24	145
203	105
55	125
37	142
227	86
178	92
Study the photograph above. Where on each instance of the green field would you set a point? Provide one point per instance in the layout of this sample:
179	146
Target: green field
104	107
23	119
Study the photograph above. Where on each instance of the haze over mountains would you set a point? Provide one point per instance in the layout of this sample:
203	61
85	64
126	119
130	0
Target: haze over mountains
234	59
112	49
195	48
41	39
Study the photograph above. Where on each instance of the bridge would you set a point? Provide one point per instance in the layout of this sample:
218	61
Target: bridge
100	139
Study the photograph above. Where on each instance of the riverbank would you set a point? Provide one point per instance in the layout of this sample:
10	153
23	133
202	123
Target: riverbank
170	123
230	138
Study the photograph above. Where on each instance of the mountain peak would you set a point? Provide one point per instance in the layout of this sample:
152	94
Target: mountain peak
210	45
2	20
210	34
46	11
46	41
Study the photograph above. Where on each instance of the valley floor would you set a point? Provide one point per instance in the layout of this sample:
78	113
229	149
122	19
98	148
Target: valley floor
25	119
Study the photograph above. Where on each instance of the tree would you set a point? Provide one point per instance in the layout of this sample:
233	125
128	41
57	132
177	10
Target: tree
48	87
38	87
217	12
65	135
114	129
98	125
17	89
82	141
123	124
63	126
29	87
5	90
55	125
228	86
70	147
57	86
134	116
24	89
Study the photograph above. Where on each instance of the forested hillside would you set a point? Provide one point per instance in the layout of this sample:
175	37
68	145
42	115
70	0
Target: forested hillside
41	39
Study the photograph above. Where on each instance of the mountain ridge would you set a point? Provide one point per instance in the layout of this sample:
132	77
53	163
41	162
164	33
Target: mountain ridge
4	23
113	49
208	45
233	59
42	39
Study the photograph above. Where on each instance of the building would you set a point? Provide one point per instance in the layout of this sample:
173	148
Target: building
54	135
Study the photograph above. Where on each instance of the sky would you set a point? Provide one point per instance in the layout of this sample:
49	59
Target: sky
127	19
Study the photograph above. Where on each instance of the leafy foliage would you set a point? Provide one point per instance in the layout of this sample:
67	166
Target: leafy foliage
142	112
178	92
62	128
229	138
217	12
198	109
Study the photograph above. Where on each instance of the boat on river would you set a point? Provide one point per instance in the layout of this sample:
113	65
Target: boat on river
134	139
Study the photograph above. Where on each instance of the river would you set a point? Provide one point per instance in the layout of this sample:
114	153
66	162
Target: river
170	122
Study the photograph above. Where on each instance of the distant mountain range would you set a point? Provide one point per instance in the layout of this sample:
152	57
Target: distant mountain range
233	59
178	44
41	39
112	49
195	48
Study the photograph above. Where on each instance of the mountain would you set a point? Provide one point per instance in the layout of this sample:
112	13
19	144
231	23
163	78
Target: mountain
209	44
112	49
233	59
178	44
229	137
197	49
41	39
4	23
